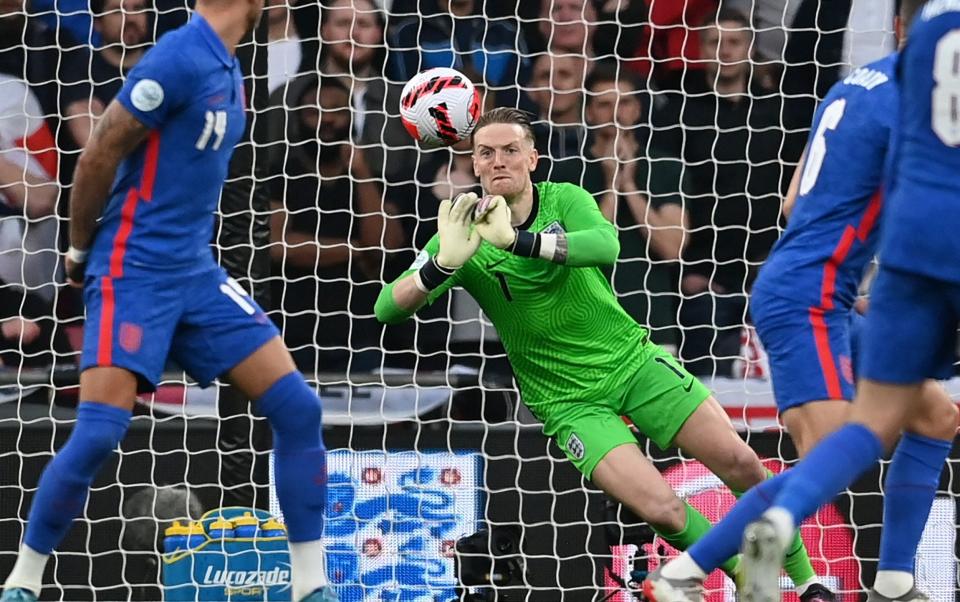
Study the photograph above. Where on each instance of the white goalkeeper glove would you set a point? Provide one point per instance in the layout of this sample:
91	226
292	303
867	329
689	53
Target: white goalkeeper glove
458	240
493	222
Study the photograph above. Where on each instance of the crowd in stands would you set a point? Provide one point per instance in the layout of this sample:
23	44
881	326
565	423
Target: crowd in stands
685	119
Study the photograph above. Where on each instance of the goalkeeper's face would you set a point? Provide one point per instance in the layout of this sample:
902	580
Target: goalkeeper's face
503	157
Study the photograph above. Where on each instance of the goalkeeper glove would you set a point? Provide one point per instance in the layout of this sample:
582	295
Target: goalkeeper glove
493	222
458	240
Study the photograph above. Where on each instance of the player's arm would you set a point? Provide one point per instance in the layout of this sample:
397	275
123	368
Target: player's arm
36	195
434	271
589	239
794	188
117	134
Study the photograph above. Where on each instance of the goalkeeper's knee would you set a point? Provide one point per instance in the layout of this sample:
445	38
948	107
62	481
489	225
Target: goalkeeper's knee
294	412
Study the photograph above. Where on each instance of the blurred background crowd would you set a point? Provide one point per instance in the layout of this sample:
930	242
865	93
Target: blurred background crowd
685	119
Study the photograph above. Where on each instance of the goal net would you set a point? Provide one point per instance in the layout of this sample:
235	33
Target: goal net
686	130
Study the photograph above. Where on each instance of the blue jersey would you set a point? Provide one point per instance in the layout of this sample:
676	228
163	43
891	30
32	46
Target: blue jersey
831	236
922	219
189	91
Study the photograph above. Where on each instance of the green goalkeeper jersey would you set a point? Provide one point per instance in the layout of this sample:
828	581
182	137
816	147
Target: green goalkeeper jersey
565	333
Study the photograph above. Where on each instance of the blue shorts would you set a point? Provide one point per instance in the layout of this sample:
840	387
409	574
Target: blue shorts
811	352
205	322
911	329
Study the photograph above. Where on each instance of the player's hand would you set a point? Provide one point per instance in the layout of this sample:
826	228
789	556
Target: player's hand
493	222
19	329
458	240
75	272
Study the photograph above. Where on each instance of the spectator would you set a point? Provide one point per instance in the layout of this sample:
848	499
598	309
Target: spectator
567	27
556	89
56	68
353	50
29	333
453	33
123	27
28	172
285	53
71	15
28	231
738	161
667	49
328	229
638	187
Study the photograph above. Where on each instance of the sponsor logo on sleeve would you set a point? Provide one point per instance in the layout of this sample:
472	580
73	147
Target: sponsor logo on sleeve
422	258
147	95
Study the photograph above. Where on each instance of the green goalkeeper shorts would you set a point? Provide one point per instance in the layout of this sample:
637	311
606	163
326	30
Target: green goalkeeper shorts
658	399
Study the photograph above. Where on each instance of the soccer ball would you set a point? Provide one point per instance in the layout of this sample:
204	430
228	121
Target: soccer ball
439	107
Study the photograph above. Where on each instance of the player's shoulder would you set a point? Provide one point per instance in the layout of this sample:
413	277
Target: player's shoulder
935	19
172	52
871	79
552	193
935	9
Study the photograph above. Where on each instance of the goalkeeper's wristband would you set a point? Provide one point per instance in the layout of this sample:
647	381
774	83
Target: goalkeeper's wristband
431	275
77	255
551	247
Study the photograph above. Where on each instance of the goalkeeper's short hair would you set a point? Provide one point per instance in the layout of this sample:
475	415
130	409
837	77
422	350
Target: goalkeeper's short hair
507	115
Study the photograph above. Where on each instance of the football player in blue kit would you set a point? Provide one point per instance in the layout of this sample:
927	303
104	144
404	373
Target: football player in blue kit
141	221
803	307
910	331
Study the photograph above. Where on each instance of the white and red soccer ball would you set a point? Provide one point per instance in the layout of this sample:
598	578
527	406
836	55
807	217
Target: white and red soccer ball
439	107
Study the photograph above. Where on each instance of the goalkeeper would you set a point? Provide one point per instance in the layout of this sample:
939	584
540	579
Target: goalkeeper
530	255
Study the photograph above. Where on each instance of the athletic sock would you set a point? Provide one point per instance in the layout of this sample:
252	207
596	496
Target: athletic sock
695	527
831	466
909	491
722	543
64	485
300	472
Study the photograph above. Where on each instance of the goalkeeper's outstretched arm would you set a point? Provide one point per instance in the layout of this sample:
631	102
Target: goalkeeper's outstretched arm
432	274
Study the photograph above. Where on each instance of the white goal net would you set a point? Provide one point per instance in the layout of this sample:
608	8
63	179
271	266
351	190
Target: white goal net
686	132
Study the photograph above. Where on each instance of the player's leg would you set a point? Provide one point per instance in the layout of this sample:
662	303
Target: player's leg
118	321
102	420
269	376
709	436
603	448
696	423
814	420
224	332
903	307
910	487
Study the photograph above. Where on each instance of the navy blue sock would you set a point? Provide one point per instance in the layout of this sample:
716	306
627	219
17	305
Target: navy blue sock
300	459
723	540
908	491
831	466
66	480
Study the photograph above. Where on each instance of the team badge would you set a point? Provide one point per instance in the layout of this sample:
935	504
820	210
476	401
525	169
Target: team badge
575	446
131	336
554	228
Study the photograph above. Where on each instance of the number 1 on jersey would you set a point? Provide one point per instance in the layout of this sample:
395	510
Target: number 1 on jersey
503	286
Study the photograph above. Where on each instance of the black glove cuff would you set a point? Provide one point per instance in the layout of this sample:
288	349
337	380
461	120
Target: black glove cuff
527	244
432	275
